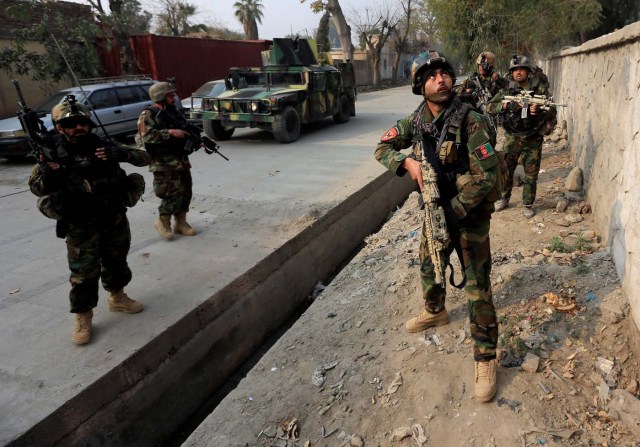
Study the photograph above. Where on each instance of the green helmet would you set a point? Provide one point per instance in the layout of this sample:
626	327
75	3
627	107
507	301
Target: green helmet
425	61
519	62
159	91
68	109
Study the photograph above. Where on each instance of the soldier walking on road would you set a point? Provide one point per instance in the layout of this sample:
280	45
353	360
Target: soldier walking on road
161	127
459	144
524	132
83	187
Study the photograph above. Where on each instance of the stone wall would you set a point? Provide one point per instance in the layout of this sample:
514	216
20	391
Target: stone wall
600	83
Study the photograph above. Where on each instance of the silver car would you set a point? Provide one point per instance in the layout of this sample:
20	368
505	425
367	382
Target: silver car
116	105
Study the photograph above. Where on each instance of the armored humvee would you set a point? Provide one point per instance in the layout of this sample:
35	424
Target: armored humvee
290	89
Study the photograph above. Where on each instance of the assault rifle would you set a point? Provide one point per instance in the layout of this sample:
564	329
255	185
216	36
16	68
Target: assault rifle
194	137
525	98
38	136
435	222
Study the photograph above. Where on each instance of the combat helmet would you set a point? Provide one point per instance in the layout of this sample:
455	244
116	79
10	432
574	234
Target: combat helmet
69	109
518	61
486	57
159	90
428	60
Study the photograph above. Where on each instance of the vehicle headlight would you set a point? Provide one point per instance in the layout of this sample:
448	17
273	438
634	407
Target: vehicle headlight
254	107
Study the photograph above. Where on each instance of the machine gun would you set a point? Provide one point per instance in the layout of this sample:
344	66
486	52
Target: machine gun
526	98
194	137
40	140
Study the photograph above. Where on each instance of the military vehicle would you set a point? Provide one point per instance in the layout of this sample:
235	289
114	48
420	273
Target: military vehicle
289	90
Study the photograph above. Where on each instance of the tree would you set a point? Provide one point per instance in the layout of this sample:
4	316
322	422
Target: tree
249	14
400	39
174	18
125	17
375	27
322	34
615	15
48	25
507	27
343	28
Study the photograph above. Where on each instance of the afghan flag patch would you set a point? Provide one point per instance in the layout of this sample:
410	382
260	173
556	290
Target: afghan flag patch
484	151
390	134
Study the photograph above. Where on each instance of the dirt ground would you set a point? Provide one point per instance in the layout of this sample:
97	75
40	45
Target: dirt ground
348	374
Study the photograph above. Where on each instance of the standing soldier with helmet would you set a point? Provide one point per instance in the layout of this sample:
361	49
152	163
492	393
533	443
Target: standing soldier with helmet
524	130
458	143
82	186
486	82
162	129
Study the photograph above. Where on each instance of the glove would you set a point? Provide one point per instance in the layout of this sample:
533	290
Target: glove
116	153
513	106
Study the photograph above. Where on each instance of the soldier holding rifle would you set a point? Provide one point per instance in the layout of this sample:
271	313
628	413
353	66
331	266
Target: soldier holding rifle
457	169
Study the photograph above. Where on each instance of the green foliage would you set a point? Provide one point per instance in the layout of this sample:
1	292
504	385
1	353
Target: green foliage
557	244
583	244
249	14
48	66
322	34
506	27
581	267
615	15
174	18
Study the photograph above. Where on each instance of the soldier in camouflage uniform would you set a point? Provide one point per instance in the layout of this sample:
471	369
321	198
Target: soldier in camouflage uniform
486	82
523	137
161	128
83	187
467	168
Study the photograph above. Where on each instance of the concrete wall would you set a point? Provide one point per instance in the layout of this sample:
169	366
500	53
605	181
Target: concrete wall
600	82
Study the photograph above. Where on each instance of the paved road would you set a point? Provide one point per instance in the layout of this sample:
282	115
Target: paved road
243	210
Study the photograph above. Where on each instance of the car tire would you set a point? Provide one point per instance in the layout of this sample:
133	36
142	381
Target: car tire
215	130
286	127
344	110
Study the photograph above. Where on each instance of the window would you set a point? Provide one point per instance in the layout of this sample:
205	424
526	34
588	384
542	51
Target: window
319	81
129	95
101	99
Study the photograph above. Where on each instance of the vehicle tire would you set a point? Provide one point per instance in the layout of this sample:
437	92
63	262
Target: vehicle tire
344	110
286	127
352	107
215	130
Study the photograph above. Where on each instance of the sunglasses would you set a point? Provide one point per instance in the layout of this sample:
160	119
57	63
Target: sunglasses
71	123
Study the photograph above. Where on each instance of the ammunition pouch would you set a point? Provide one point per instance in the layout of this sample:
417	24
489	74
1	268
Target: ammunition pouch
135	189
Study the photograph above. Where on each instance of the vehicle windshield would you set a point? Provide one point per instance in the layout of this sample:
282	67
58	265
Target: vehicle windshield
211	89
47	104
286	79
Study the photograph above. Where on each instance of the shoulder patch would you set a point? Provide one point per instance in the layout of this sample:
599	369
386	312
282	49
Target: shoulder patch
484	151
390	134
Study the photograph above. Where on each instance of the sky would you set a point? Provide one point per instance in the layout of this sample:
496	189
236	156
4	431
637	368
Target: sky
280	17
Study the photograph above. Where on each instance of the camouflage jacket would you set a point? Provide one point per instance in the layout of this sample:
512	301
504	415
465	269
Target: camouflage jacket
84	187
510	119
167	152
488	86
468	164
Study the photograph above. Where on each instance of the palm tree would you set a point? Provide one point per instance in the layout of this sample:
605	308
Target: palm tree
249	14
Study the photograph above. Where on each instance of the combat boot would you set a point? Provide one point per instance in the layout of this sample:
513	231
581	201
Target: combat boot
486	380
163	225
528	212
425	320
120	302
181	226
82	328
501	204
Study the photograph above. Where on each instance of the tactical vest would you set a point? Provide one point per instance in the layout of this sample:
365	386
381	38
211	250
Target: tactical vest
512	120
89	187
165	119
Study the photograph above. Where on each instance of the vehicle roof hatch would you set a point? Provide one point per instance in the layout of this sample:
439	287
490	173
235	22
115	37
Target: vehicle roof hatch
287	51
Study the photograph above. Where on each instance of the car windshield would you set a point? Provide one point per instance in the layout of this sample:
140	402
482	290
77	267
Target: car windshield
47	104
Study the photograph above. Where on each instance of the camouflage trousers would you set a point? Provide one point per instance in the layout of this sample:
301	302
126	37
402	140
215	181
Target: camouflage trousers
476	253
529	149
174	189
95	250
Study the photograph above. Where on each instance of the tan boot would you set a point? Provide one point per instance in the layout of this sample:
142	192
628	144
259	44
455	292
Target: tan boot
501	204
163	225
82	328
120	302
486	380
181	226
425	320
